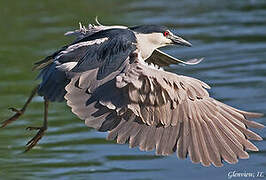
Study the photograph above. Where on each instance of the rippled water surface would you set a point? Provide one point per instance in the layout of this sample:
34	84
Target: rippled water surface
231	35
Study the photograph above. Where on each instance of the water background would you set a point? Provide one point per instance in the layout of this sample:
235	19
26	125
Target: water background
231	35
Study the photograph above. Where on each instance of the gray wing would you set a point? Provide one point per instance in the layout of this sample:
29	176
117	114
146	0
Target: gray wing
105	51
153	109
80	34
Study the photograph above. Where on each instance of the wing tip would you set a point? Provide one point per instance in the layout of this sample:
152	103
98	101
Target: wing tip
253	115
193	61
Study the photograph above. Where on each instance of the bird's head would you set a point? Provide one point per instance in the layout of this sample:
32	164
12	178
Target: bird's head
159	35
151	37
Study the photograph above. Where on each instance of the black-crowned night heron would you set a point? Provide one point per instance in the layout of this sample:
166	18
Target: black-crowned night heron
111	77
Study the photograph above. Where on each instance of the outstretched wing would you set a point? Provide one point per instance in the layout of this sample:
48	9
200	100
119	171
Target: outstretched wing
105	51
153	109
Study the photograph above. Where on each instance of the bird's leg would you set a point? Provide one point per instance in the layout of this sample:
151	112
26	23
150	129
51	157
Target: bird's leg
21	111
41	129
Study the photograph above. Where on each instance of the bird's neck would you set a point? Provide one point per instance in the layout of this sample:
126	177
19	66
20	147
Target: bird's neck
145	45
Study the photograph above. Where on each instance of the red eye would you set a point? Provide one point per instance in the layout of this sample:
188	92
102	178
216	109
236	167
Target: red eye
166	33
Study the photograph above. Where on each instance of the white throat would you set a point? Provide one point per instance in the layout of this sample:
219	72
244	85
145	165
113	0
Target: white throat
147	43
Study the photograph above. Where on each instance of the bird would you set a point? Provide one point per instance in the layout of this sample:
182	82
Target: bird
113	78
